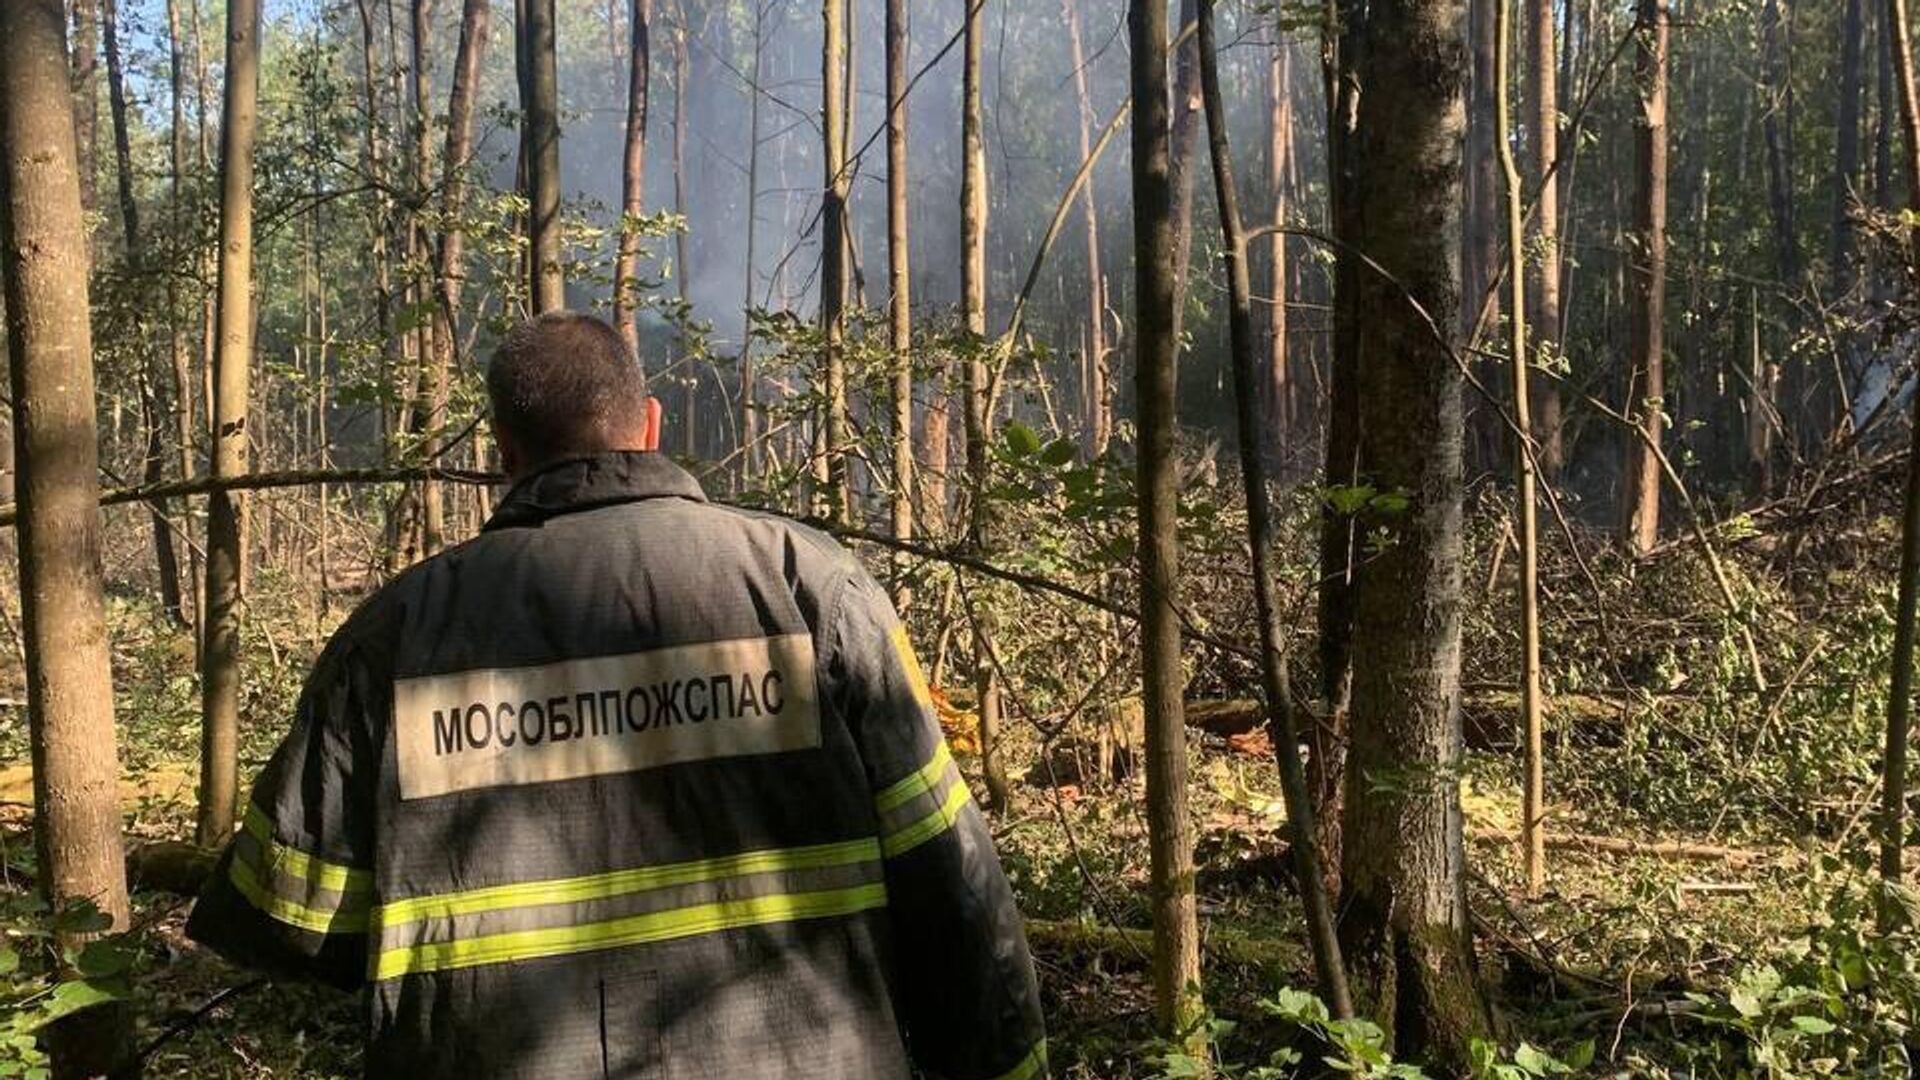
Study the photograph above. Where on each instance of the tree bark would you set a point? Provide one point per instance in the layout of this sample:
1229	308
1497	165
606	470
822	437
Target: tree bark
1321	934
43	262
973	304
1278	393
1544	122
220	665
833	258
750	452
633	175
1640	495
450	253
1893	780
540	108
1533	827
1176	935
428	347
182	362
1404	924
1777	93
900	282
1186	121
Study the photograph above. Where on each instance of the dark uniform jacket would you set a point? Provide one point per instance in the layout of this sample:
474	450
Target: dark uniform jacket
633	785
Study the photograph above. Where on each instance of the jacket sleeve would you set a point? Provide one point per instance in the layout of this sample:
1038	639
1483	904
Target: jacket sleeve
965	986
291	893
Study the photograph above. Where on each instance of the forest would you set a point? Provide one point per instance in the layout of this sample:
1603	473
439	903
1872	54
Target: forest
1408	509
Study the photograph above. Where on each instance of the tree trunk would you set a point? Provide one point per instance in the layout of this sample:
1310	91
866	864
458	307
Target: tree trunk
1404	921
1847	190
450	254
540	108
1186	121
86	104
973	303
833	257
1544	122
76	768
1480	226
1893	779
682	255
182	362
1640	495
1278	393
1533	827
1321	935
899	282
1099	399
153	463
427	349
633	176
749	379
1176	935
220	675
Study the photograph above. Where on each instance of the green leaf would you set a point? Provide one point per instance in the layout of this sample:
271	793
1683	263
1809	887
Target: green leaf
1058	452
1021	440
71	997
1814	1025
9	959
1580	1056
1533	1060
103	959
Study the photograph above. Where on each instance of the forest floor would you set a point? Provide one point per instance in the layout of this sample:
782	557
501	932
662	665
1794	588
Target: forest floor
1691	842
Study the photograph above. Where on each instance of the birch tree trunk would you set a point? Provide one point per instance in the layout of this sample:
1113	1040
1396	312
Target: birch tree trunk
833	258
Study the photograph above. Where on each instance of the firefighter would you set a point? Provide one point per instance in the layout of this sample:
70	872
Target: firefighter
630	785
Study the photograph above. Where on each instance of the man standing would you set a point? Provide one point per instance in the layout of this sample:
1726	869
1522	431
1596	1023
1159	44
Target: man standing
631	785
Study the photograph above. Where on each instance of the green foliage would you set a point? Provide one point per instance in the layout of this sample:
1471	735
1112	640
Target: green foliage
1355	1048
42	980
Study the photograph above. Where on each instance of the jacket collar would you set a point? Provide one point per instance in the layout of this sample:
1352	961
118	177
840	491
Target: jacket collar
583	483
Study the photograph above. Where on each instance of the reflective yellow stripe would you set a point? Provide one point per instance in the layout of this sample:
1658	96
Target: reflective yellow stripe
938	821
916	678
293	862
1034	1064
631	930
918	782
343	920
615	883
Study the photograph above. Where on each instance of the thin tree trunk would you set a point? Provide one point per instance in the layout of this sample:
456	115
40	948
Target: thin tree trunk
183	423
1099	399
1847	190
428	348
1176	934
973	303
1893	780
1776	111
1404	922
1186	121
1533	825
220	675
1278	384
749	379
833	259
83	71
900	284
681	252
633	174
1544	122
43	264
450	254
153	458
1321	934
540	105
1640	502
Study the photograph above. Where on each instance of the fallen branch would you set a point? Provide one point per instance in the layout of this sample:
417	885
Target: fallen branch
1672	850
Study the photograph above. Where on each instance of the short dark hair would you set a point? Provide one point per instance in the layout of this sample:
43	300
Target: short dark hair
564	383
